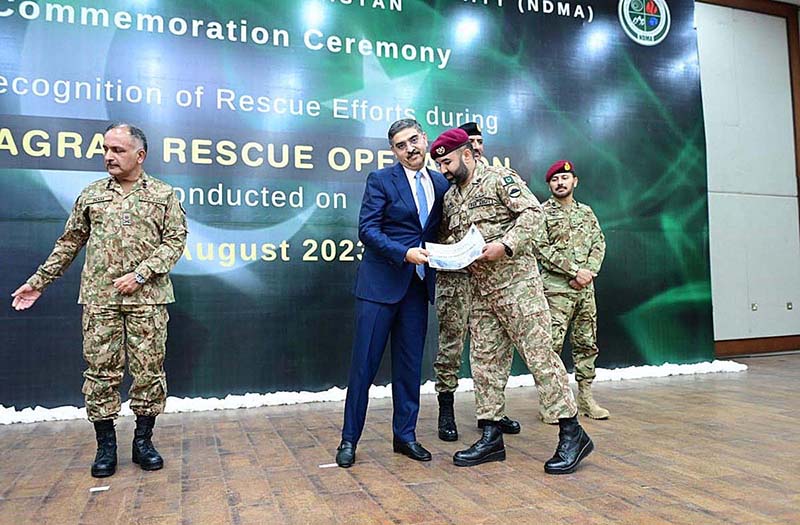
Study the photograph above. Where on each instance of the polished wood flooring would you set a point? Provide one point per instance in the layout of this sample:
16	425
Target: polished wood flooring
718	448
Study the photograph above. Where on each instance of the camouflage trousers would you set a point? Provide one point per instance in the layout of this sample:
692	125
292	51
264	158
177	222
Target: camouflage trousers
110	333
453	301
515	316
578	313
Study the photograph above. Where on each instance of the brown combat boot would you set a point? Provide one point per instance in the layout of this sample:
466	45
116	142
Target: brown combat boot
587	406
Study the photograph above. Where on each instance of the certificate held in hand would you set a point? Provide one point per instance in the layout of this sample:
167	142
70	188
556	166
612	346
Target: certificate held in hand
456	256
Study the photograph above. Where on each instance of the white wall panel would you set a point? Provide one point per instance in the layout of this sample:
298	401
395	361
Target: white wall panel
744	71
753	205
754	261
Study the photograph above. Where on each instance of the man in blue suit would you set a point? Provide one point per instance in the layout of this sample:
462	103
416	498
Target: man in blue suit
401	210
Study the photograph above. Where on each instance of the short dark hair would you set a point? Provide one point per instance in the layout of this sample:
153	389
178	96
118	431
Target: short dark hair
135	132
400	125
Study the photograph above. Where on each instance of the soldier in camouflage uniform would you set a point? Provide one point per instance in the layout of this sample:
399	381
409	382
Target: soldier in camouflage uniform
134	230
508	304
571	256
453	299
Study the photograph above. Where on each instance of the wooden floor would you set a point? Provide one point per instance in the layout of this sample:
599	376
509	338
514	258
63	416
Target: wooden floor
718	448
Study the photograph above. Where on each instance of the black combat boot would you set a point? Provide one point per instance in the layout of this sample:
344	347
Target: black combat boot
506	424
447	418
144	453
573	445
105	462
489	447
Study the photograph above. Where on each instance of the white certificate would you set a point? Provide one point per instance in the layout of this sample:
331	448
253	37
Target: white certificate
456	256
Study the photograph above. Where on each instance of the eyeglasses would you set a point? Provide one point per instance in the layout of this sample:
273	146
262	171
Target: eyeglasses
413	140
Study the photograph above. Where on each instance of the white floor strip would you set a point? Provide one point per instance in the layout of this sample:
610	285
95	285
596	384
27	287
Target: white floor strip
10	415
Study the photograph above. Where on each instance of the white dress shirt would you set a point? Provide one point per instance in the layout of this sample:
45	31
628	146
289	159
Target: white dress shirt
427	184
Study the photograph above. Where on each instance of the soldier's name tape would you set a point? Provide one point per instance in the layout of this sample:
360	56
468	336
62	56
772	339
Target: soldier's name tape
10	415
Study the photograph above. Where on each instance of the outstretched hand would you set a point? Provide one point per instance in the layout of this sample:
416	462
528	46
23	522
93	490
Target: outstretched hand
417	256
24	297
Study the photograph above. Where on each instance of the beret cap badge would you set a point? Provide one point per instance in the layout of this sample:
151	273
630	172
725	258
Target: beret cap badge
450	140
560	166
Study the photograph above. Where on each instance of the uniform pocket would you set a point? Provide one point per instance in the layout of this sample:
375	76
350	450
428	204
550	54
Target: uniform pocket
455	222
484	213
152	209
558	231
86	318
443	290
97	209
524	299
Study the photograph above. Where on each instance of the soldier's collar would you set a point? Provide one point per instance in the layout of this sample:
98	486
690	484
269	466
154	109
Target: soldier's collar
144	180
477	175
141	183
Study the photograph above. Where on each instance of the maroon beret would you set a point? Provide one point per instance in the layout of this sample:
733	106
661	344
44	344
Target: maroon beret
560	166
450	140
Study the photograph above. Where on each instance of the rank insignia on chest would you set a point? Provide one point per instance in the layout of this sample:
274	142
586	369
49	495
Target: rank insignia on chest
126	219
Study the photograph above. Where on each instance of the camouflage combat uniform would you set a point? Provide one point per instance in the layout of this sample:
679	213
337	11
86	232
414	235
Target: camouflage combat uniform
452	308
453	305
143	231
574	241
508	304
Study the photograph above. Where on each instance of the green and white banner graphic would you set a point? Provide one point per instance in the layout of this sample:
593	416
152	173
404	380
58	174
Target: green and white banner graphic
267	117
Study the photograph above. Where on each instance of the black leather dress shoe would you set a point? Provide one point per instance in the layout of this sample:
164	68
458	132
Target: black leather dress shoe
507	425
346	454
412	449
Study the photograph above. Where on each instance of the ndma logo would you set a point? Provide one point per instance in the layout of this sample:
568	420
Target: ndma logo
646	22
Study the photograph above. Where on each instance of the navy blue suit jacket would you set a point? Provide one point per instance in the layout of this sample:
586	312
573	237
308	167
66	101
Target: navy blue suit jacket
388	225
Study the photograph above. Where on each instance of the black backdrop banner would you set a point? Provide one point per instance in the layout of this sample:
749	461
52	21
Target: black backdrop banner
267	117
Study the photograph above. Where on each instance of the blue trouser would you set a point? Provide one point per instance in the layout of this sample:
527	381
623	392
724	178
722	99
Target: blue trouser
407	322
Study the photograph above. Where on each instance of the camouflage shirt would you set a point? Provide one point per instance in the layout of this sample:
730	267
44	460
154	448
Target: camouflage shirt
447	237
574	241
502	207
143	231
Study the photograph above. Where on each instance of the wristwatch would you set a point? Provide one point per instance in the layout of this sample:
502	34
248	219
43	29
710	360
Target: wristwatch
509	251
139	278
